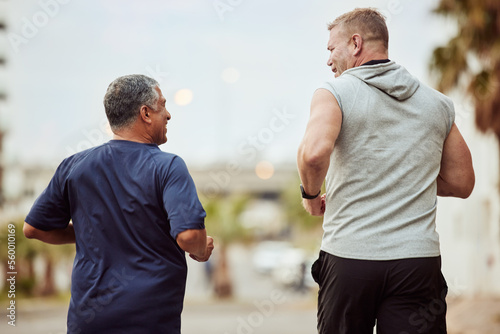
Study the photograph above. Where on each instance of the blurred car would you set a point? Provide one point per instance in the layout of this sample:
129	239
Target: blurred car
268	255
287	265
291	269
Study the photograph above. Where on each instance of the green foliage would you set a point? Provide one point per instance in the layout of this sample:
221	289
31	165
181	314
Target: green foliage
25	253
222	220
25	249
23	256
296	214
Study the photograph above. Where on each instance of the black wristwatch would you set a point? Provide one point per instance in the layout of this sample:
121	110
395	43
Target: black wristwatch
306	196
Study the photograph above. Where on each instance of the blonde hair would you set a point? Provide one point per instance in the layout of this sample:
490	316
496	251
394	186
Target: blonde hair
369	23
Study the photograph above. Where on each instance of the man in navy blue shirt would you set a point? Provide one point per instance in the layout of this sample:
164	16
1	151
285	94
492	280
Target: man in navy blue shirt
134	213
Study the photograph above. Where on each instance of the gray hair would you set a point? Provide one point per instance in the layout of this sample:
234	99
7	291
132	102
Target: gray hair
125	97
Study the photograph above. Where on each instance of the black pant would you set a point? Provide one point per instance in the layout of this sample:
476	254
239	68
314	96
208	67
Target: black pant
404	296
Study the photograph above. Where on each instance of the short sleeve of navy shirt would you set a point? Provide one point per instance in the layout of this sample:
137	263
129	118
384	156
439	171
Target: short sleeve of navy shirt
128	201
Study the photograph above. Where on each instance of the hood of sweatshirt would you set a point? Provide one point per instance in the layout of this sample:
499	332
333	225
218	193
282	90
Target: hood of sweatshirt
391	78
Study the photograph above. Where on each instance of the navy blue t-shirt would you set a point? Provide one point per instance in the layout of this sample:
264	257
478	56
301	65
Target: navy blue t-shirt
128	201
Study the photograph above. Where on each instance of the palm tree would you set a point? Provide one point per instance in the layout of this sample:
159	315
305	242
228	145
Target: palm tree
223	223
25	253
51	255
471	60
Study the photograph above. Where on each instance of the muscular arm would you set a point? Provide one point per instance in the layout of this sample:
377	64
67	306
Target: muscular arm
55	237
196	243
313	157
456	177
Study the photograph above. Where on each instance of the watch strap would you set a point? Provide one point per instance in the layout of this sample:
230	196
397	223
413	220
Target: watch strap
306	195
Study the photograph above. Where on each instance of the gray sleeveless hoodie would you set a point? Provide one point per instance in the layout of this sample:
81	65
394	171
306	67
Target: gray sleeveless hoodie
381	184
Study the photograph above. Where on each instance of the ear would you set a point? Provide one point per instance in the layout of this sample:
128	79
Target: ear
357	43
145	114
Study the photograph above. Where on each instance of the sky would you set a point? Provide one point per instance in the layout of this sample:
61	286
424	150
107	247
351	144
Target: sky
238	75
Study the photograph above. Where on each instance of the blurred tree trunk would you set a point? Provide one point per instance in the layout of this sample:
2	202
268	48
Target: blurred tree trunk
28	273
470	61
223	286
223	222
48	285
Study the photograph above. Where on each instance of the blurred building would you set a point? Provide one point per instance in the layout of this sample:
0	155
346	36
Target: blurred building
2	197
3	88
264	213
224	179
22	185
19	184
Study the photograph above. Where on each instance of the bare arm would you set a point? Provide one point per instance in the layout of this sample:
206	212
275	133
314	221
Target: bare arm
456	177
196	243
55	237
313	157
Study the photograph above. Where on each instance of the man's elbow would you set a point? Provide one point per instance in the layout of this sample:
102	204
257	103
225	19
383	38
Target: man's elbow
188	238
29	231
462	189
468	187
314	157
466	184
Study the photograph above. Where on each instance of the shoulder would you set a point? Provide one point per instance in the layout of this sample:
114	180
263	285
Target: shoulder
166	162
162	157
341	87
432	95
69	163
340	83
430	90
442	106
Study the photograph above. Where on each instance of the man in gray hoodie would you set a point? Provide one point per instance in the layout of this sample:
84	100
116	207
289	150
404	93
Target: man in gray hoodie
387	146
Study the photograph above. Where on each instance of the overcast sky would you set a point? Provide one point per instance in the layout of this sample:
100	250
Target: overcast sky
242	71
